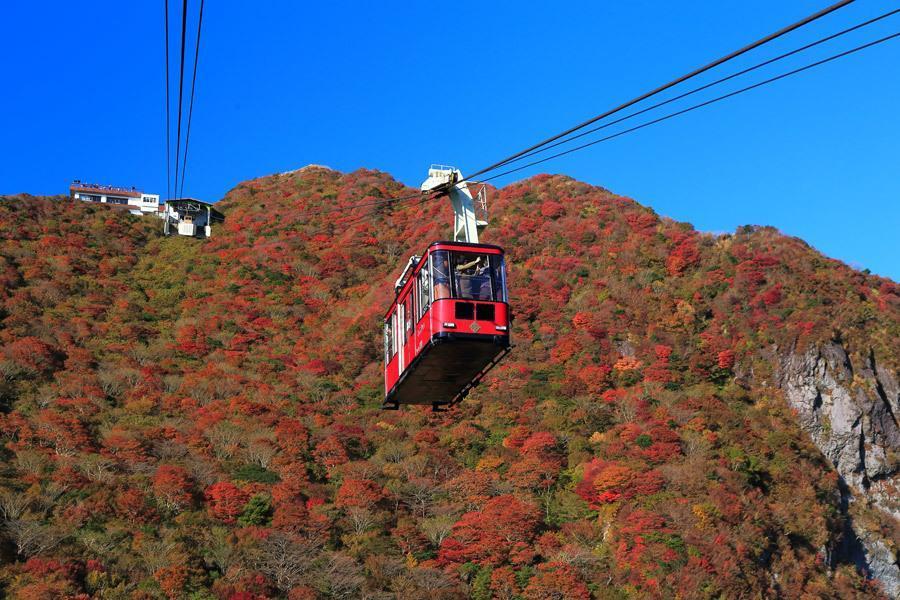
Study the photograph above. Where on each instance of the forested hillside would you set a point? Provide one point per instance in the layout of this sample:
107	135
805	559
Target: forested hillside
200	419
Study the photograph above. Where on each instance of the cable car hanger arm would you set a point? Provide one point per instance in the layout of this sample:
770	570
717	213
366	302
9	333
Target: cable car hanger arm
443	180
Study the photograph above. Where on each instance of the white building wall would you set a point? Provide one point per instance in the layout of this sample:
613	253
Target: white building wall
145	204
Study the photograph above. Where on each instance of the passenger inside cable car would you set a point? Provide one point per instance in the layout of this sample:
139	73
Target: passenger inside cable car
473	276
440	265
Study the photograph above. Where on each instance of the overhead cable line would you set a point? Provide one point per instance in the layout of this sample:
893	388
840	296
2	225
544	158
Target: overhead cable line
180	92
674	82
548	144
187	135
696	106
168	126
372	208
701	105
407	202
365	204
426	197
706	86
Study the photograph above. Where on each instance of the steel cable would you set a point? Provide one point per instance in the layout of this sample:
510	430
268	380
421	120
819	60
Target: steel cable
180	92
187	135
708	85
683	78
701	105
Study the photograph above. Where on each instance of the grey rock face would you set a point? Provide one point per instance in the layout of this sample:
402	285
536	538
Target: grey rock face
851	413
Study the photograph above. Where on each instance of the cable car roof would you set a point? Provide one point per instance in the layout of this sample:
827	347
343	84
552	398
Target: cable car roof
192	205
452	245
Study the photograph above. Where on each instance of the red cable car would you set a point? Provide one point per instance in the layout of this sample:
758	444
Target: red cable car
448	325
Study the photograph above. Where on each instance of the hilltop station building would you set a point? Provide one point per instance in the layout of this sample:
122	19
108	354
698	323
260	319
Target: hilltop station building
132	199
190	217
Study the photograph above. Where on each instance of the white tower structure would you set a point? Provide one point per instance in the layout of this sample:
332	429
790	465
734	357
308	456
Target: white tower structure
469	214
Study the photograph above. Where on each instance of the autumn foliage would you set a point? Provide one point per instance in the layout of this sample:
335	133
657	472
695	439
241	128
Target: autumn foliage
200	419
225	501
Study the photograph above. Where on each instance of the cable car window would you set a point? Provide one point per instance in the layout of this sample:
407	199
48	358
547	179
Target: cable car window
407	317
394	333
424	292
498	266
440	271
388	342
472	276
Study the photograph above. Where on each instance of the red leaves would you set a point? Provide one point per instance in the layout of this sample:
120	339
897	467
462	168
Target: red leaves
684	255
627	363
540	463
539	444
504	584
131	504
426	437
43	568
225	501
552	209
333	262
290	516
596	378
492	535
654	441
516	437
292	436
725	359
124	447
534	472
662	353
614	482
172	580
318	367
566	347
191	340
556	580
772	295
611	481
173	487
330	452
652	556
642	223
589	322
64	433
29	354
750	273
805	327
358	493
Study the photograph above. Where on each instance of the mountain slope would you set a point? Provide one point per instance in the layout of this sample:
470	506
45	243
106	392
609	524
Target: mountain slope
186	417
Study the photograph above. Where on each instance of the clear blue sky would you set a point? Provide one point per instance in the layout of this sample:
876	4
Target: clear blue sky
395	86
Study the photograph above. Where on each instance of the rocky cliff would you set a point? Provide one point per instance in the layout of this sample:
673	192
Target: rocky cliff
849	407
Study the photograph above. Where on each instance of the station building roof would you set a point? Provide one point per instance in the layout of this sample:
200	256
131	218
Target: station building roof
192	205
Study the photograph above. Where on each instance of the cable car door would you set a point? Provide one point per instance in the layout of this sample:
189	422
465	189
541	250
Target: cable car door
401	342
